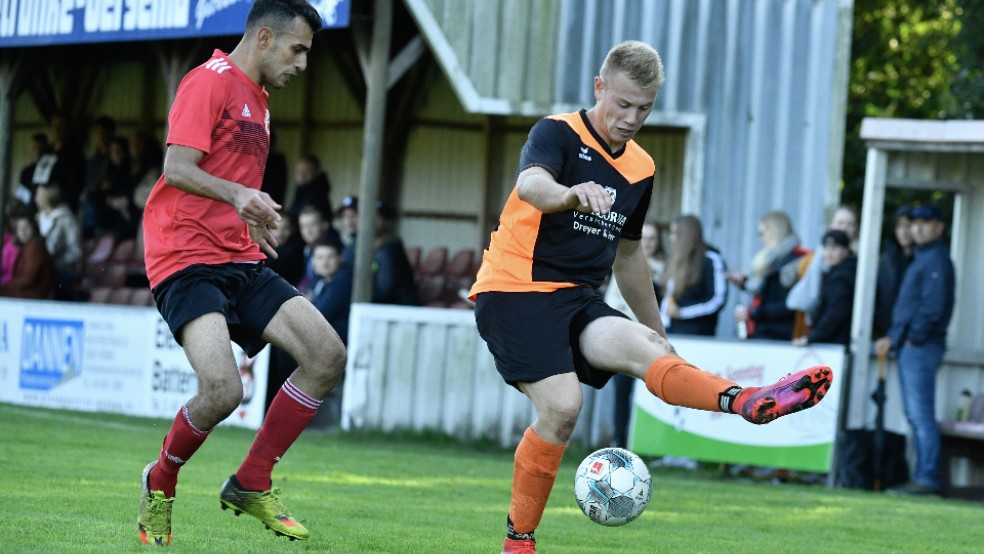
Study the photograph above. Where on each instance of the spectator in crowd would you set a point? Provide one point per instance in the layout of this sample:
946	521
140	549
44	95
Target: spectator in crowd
831	319
891	268
289	262
918	336
774	271
146	160
275	174
332	291
805	294
393	280
34	270
8	247
312	187
696	285
24	192
107	209
313	227
101	134
348	220
63	162
652	244
61	235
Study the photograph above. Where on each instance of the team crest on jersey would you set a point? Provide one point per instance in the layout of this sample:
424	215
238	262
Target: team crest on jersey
583	154
612	193
246	112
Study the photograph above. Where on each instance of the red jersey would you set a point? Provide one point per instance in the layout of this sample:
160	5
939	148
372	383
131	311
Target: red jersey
222	112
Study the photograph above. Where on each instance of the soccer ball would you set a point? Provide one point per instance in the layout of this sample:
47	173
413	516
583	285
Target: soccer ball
612	486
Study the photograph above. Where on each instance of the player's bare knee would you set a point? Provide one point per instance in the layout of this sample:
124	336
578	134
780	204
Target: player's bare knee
222	396
563	415
659	342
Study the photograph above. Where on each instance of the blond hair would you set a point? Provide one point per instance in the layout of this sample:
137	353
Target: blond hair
638	61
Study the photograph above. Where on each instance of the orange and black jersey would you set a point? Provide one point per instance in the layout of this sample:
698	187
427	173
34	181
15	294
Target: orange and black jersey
531	251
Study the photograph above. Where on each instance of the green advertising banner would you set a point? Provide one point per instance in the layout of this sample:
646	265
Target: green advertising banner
802	441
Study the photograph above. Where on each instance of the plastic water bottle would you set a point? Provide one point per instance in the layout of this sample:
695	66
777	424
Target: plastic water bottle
742	323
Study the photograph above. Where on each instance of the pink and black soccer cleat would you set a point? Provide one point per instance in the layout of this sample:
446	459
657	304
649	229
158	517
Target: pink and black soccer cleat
519	547
793	393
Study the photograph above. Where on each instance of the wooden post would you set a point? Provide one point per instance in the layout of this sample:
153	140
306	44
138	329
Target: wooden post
372	148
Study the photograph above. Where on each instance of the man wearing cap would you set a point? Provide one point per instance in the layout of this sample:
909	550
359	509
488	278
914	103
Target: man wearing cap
832	315
918	335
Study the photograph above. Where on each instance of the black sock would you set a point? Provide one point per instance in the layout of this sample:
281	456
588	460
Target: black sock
726	399
511	533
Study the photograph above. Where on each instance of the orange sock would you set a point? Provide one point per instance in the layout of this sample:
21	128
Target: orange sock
681	384
535	468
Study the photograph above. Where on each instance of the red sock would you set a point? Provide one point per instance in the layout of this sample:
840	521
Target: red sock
180	443
535	469
290	413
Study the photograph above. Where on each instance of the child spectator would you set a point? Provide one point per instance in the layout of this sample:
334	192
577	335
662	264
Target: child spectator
34	271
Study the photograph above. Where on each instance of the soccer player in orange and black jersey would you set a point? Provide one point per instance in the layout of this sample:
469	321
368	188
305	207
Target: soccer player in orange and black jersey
577	211
205	224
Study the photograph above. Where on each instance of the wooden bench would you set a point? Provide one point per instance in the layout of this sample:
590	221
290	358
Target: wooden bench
962	454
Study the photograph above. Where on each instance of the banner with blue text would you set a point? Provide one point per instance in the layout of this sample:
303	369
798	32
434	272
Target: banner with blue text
49	22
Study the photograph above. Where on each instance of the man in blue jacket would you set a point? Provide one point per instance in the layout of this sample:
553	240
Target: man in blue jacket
918	335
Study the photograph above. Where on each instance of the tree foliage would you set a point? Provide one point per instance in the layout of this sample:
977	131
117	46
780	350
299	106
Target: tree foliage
905	60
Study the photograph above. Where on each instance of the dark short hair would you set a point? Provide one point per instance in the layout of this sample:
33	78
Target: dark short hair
279	14
837	237
323	241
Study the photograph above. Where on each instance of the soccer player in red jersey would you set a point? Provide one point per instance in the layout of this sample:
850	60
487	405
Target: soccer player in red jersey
576	213
206	226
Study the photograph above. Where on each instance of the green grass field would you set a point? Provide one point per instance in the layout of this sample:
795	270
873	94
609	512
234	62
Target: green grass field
69	482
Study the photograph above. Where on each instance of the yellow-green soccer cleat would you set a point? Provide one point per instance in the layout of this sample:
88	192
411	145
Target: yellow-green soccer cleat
264	506
154	518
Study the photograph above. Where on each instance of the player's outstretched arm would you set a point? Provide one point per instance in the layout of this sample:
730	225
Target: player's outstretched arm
636	284
538	188
181	171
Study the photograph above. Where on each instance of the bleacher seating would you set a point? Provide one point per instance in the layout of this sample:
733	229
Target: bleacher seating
431	277
112	272
440	278
102	250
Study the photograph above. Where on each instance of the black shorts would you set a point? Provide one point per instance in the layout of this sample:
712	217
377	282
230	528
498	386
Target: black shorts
534	335
248	295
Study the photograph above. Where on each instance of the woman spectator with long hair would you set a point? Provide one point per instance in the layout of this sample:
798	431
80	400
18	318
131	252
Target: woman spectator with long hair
695	282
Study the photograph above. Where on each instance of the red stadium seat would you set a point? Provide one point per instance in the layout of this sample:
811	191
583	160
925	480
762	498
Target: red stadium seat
100	295
103	250
434	262
141	296
123	252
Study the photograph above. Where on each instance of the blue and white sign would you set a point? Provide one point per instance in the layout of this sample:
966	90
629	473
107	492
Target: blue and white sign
51	352
47	22
106	358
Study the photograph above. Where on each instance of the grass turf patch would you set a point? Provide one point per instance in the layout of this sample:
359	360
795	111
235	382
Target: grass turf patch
70	483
